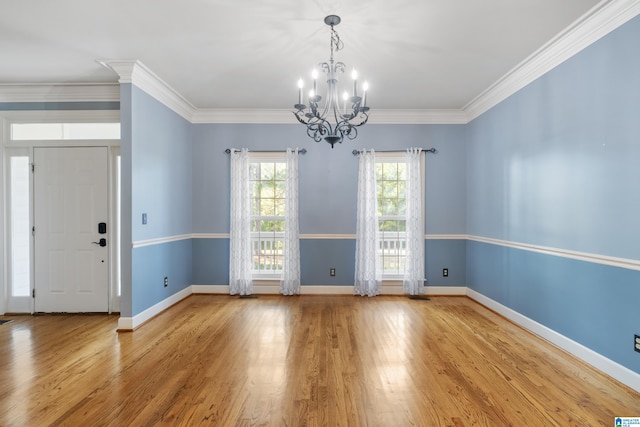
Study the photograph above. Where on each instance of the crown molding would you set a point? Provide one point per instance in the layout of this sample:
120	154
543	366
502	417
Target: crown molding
602	19
242	115
135	72
411	117
60	92
283	116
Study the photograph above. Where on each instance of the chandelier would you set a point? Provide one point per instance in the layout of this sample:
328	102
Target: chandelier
333	120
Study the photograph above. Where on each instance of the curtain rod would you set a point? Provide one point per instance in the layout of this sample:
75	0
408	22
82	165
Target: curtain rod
427	150
301	151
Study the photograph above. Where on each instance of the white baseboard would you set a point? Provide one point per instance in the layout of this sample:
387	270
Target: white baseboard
271	289
446	290
326	290
598	361
210	289
130	323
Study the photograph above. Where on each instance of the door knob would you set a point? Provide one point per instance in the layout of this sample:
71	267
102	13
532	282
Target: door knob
102	242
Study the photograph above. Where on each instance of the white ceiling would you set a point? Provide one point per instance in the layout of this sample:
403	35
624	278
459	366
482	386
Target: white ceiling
416	54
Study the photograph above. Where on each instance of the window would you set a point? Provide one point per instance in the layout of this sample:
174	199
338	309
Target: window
19	226
64	131
268	191
390	181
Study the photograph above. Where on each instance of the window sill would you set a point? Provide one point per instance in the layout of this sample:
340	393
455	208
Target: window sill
267	280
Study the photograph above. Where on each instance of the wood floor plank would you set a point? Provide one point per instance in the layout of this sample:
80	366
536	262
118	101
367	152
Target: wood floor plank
299	361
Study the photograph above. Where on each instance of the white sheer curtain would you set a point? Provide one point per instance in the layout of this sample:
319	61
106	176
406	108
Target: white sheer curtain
413	281
368	276
240	227
290	283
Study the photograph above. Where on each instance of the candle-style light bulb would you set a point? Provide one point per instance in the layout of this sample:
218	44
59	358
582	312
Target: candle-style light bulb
365	88
314	76
300	86
354	76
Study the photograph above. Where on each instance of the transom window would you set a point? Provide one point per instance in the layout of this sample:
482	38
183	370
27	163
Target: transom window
64	131
268	201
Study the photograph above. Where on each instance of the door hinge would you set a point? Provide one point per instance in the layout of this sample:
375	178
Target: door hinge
33	167
33	293
33	230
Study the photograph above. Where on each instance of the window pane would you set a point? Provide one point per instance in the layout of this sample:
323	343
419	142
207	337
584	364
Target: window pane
389	225
267	189
280	189
401	207
402	189
266	207
281	171
118	215
254	171
266	226
390	171
33	131
65	131
389	189
267	171
254	188
280	207
378	171
20	230
255	207
402	171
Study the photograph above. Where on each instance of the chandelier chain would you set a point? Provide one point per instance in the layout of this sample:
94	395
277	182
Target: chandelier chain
336	43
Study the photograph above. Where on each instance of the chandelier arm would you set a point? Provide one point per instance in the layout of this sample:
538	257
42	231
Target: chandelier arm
346	129
353	133
318	129
364	118
298	115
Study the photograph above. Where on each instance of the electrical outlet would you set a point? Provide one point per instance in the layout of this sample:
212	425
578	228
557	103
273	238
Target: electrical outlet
332	272
166	282
445	272
144	218
636	343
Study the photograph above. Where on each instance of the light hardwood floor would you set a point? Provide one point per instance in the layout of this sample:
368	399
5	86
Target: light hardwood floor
299	361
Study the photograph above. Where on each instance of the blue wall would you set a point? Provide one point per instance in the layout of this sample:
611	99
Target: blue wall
328	185
556	165
156	160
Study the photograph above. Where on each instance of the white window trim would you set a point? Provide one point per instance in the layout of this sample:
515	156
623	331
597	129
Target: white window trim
266	277
395	279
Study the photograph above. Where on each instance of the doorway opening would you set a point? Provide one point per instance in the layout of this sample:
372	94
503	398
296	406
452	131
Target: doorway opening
50	212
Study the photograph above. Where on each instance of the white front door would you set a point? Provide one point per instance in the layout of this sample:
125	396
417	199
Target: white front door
70	200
